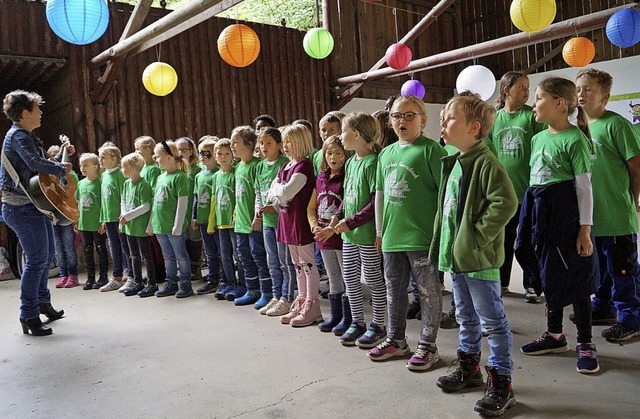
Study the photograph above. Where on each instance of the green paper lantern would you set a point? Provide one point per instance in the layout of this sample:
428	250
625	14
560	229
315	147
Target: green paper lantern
318	43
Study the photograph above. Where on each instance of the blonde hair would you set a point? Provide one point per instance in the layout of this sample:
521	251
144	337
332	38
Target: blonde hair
134	160
160	148
144	141
300	138
53	150
222	142
416	101
247	134
475	109
207	137
366	125
92	157
207	144
604	79
110	148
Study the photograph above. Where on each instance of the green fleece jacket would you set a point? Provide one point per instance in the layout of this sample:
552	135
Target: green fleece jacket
487	203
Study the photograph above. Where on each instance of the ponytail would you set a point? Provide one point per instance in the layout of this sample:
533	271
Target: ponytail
583	125
182	165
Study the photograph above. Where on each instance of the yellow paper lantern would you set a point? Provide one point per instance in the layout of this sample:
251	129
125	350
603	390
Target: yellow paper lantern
238	45
578	52
159	78
532	15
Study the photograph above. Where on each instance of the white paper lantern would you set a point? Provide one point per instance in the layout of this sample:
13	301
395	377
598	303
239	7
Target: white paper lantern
477	79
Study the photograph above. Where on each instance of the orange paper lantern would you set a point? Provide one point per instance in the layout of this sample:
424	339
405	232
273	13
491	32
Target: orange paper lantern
578	52
238	45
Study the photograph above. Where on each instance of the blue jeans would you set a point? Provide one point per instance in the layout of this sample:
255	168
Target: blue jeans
174	250
211	246
227	239
119	249
35	233
281	267
140	250
65	240
254	260
479	306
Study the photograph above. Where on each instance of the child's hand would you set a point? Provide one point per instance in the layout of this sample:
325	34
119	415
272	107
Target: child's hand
341	227
334	221
267	209
324	234
102	229
256	224
315	229
378	244
584	246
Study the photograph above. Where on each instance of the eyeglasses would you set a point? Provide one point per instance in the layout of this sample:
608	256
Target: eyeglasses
182	150
205	153
408	116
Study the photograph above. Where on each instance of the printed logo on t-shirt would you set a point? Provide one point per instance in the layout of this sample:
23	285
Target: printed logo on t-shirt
511	143
204	200
451	197
162	193
326	211
350	189
108	190
394	187
240	188
542	168
87	199
223	200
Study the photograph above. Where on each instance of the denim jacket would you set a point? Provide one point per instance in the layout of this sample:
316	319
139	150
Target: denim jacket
24	151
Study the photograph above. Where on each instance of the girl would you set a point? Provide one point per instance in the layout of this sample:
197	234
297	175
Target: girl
88	195
290	194
324	204
112	182
189	154
169	219
359	133
511	135
556	219
278	257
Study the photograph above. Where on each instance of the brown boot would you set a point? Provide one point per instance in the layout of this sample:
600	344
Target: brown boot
309	314
296	307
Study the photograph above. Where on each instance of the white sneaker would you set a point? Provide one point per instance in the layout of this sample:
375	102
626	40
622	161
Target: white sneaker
280	309
530	296
126	285
269	306
112	285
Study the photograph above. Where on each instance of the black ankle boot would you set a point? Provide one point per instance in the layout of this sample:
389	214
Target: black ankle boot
498	395
467	374
51	313
36	326
335	302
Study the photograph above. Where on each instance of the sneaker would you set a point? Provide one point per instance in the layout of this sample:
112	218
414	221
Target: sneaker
322	273
207	288
546	344
89	284
531	297
423	358
448	320
133	289
271	304
184	291
100	283
236	291
353	333
389	349
72	281
598	318
223	289
619	333
587	358
414	309
130	281
374	336
112	285
280	309
168	288
62	282
148	291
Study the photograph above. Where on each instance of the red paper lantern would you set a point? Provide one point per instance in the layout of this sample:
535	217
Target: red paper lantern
398	56
578	52
238	45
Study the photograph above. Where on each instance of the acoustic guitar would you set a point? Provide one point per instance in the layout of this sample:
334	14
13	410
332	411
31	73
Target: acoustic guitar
54	194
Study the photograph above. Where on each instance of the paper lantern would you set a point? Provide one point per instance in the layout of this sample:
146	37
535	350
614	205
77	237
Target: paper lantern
159	78
413	87
477	79
78	22
578	52
623	28
532	15
238	45
318	43
398	56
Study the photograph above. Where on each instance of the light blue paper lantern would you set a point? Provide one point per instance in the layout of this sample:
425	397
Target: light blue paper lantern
623	28
78	22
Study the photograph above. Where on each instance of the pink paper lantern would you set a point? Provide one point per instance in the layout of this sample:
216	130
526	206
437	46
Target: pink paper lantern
398	56
413	87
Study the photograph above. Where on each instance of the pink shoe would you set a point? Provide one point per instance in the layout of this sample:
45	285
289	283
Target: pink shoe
72	281
62	282
296	307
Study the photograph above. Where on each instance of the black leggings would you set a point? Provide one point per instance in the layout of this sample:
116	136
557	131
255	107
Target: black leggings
582	319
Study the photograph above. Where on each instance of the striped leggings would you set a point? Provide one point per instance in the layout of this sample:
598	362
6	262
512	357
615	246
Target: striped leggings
358	258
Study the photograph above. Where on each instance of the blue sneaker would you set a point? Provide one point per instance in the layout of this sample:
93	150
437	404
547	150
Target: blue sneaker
263	301
546	344
374	336
236	291
352	334
184	291
167	289
222	290
587	358
250	297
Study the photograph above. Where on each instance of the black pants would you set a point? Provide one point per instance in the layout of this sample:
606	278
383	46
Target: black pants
510	234
89	239
141	246
582	316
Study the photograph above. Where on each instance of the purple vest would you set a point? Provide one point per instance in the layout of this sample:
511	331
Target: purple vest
293	224
330	192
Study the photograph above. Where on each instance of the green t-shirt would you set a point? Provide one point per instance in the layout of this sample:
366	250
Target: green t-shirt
359	189
614	209
88	195
265	173
202	188
150	173
511	136
450	210
245	195
169	187
559	157
134	195
317	162
224	189
637	127
193	172
112	183
409	177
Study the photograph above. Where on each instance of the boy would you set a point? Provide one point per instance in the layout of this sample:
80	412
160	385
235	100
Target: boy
250	243
616	186
476	201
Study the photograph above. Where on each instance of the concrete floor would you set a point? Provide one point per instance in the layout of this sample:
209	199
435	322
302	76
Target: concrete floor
124	357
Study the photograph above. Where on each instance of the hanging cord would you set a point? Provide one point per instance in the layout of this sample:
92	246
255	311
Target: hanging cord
395	8
317	13
158	50
395	16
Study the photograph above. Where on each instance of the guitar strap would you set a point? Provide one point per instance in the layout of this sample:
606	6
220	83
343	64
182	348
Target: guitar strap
14	175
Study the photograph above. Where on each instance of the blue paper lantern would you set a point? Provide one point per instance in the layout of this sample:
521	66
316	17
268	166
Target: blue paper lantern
78	22
623	28
413	87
